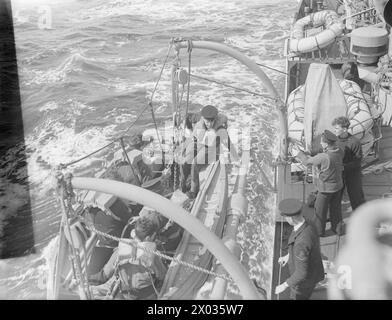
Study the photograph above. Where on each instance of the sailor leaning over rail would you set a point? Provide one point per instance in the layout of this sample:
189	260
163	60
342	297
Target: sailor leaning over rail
328	166
203	147
132	273
303	257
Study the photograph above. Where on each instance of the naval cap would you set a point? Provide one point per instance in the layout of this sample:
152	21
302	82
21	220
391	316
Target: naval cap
290	207
209	112
329	136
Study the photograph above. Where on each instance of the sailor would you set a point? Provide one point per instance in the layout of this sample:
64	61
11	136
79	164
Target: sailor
169	233
351	161
131	272
328	167
109	225
303	257
208	136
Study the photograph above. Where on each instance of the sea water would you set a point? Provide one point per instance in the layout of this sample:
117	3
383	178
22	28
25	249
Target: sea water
86	70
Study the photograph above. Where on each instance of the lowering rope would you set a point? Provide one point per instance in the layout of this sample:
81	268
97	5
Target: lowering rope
190	45
153	93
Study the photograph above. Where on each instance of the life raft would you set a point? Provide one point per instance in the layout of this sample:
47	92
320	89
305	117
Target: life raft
327	18
295	114
358	112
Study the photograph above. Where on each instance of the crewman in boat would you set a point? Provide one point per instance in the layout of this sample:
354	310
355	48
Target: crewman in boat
304	256
204	147
132	273
111	222
107	224
328	166
169	233
351	145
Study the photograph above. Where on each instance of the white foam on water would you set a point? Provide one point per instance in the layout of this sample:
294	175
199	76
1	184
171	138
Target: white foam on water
54	144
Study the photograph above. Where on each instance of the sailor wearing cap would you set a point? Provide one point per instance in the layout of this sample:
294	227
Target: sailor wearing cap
210	140
329	183
303	257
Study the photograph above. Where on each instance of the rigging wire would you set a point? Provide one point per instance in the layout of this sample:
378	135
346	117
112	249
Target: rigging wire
267	67
133	123
233	87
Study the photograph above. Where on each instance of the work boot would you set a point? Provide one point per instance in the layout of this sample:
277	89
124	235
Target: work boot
97	278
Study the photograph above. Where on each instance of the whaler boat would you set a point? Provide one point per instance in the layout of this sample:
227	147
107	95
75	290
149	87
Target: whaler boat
325	36
149	178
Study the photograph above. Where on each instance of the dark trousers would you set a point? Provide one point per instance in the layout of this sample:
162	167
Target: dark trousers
202	156
325	201
301	294
353	182
187	169
99	257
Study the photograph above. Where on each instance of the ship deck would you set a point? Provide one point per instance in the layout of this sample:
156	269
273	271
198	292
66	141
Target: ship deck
377	183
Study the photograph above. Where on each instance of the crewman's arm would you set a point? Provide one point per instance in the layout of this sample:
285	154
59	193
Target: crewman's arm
306	159
228	145
301	264
356	150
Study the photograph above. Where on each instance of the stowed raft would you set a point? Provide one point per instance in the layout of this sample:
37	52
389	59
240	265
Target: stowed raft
300	42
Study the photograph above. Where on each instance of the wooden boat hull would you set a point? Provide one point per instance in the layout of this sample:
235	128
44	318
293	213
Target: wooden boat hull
182	282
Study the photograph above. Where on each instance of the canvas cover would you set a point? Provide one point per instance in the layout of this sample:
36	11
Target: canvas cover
324	101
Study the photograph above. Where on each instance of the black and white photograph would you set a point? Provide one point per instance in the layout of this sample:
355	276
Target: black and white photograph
211	151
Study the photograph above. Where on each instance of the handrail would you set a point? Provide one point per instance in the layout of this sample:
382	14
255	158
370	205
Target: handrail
181	217
214	46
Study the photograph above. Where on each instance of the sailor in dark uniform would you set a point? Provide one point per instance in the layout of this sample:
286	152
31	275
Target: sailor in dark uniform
204	147
328	168
304	257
